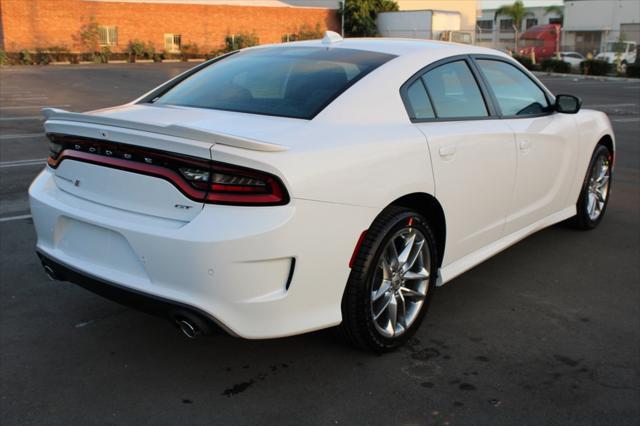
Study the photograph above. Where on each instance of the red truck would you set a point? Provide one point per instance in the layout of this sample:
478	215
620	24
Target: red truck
543	40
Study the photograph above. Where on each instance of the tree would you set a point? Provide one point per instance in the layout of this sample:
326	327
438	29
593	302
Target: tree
89	36
555	10
517	13
360	15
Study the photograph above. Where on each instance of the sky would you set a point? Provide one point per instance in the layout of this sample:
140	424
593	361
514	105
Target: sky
493	4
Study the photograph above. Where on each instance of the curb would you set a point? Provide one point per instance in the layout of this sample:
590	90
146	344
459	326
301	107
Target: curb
582	76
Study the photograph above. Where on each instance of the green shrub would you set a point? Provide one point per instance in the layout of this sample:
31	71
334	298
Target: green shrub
188	51
41	57
4	59
305	32
58	53
526	62
157	57
25	58
74	58
136	49
149	50
102	56
633	70
595	67
555	65
240	41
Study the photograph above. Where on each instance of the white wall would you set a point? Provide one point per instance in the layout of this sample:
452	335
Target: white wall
600	15
466	8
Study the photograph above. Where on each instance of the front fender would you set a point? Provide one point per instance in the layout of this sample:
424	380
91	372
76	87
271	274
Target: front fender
593	126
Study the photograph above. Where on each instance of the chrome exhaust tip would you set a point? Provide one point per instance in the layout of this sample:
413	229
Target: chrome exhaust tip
188	328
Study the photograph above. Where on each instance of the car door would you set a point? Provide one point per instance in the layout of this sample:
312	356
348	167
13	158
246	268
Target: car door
472	153
546	143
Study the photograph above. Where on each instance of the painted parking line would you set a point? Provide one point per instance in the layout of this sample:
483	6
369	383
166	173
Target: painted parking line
23	163
12	218
609	105
23	118
20	136
33	106
9	93
25	98
626	120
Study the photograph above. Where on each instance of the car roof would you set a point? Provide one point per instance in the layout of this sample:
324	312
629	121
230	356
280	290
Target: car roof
401	47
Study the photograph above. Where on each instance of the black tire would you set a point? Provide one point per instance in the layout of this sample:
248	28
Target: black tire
357	324
582	220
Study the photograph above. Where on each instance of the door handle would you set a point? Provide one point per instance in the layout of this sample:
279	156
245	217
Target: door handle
524	145
447	152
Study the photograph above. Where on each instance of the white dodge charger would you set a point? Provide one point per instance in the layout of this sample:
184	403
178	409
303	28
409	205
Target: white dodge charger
288	188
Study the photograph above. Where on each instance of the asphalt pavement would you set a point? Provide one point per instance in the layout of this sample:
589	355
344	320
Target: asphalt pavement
547	332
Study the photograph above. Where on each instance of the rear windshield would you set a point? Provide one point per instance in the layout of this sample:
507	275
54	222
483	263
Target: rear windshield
293	81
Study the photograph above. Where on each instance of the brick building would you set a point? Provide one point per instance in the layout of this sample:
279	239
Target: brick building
31	24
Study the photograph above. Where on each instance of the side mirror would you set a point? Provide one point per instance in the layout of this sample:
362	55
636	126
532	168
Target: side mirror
568	104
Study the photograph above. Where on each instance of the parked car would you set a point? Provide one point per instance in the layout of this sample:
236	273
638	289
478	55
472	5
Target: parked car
572	58
625	50
289	188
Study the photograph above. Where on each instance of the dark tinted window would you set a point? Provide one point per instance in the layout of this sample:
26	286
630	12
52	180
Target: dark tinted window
284	81
419	101
516	93
506	26
454	92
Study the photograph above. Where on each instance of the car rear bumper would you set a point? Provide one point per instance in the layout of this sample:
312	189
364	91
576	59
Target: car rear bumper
154	305
259	272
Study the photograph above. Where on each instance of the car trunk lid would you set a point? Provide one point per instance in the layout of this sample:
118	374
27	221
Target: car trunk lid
142	159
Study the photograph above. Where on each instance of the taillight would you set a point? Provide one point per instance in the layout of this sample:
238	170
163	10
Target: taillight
199	179
227	184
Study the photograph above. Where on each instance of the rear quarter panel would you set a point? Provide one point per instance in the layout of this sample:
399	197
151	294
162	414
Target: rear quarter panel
363	165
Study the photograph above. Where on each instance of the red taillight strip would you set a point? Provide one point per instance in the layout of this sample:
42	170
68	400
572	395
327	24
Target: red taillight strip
276	197
131	166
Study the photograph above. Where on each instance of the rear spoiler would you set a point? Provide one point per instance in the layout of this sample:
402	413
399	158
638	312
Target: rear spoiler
170	130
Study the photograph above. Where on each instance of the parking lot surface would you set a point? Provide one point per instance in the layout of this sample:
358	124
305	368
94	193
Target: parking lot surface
547	332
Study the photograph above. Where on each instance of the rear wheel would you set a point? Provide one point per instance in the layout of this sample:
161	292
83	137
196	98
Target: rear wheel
391	282
594	197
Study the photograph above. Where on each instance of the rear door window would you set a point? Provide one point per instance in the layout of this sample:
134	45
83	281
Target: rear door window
419	101
454	91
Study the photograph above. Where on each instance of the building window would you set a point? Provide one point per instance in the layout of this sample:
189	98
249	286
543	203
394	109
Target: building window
107	36
485	25
557	21
531	22
506	26
172	42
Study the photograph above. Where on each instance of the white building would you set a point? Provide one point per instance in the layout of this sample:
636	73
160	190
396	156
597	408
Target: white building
590	24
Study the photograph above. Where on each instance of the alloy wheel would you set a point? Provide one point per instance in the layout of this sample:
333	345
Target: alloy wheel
400	282
598	187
